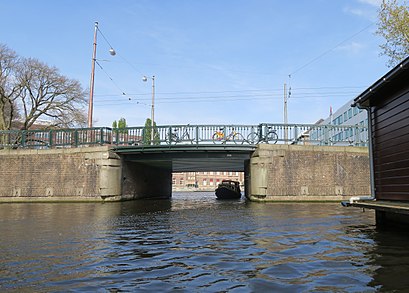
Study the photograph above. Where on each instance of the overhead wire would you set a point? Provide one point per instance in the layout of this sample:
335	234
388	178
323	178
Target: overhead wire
330	50
106	40
110	78
268	91
235	98
258	94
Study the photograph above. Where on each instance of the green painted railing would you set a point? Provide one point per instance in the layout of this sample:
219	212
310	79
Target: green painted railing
187	134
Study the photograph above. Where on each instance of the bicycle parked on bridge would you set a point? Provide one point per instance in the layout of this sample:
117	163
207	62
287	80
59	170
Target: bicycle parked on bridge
173	137
220	137
257	137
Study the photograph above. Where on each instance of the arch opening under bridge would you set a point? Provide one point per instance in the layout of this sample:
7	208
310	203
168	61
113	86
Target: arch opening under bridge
149	171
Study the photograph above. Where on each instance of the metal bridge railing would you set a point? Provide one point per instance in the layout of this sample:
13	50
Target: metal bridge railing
311	134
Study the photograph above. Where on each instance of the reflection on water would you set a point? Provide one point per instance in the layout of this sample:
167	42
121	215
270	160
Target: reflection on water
195	242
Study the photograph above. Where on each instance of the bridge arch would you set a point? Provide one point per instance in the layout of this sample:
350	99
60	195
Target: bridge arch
147	172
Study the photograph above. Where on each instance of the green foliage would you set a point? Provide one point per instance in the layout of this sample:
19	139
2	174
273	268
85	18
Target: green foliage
120	125
393	26
147	131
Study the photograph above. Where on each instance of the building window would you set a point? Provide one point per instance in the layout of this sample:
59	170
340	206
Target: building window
204	182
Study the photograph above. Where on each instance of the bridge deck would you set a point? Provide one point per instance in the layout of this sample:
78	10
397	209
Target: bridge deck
184	148
189	158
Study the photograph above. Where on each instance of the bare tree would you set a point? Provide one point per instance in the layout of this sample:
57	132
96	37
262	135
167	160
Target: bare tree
393	26
10	88
31	90
46	94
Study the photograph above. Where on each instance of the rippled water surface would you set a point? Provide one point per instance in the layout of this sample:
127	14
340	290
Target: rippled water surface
195	243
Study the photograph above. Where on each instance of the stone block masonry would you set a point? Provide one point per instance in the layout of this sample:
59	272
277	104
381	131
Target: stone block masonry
308	173
80	174
274	172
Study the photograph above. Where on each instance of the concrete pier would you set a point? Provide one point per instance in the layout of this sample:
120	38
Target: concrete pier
77	174
307	173
273	173
146	181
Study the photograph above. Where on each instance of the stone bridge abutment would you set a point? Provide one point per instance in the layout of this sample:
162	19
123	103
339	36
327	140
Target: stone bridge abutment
274	172
308	173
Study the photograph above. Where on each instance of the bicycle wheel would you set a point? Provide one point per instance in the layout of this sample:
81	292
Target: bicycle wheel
253	138
217	137
272	137
171	138
238	138
186	138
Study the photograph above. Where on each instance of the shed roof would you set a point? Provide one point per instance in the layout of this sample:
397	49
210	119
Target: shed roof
391	81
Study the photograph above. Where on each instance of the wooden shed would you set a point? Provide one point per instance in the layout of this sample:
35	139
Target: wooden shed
387	102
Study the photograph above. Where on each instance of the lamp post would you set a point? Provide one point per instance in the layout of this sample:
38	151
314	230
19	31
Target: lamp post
145	79
285	114
91	87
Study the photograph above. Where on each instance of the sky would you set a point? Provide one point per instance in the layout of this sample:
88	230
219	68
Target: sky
214	61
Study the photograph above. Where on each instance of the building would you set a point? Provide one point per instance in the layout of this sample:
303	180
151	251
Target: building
346	125
347	115
387	102
203	181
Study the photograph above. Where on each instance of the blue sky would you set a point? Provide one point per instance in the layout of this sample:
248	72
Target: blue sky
215	61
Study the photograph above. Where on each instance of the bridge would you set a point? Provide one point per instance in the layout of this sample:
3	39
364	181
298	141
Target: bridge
144	137
137	162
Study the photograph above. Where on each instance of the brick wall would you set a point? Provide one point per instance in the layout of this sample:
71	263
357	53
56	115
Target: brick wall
58	174
203	181
309	172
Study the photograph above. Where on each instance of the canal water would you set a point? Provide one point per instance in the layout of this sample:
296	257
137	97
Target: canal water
195	243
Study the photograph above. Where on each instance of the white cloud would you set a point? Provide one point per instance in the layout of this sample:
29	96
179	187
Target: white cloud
355	11
364	8
376	3
351	48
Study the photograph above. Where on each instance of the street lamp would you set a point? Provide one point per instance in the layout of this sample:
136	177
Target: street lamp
145	79
91	87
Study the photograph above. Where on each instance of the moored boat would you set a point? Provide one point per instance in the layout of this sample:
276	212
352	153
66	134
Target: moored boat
228	189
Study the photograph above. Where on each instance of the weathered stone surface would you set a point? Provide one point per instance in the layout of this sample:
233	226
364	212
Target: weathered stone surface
275	172
287	172
59	174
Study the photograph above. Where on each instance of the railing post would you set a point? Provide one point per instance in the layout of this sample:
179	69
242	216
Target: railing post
169	136
326	138
76	137
101	136
197	134
296	138
23	138
116	136
50	138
